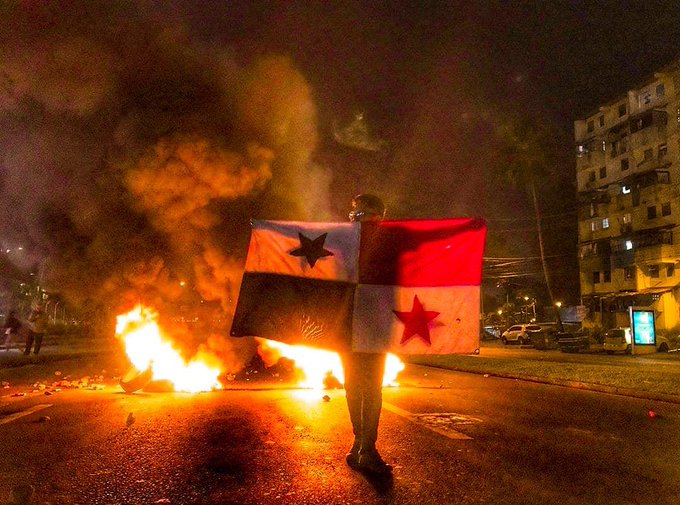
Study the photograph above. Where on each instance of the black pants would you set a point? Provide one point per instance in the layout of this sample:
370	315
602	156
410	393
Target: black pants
363	389
38	337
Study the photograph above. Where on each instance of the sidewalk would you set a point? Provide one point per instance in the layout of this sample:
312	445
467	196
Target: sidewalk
652	376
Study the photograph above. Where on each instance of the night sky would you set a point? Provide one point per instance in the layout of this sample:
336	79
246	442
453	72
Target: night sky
137	139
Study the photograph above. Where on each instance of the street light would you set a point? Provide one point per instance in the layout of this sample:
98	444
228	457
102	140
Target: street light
558	304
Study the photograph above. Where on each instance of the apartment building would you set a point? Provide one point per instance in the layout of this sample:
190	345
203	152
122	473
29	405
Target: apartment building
628	180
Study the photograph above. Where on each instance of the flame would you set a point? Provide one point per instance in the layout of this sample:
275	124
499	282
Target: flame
318	365
146	347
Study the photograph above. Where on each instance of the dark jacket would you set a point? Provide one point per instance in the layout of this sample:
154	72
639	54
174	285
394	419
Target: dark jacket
12	324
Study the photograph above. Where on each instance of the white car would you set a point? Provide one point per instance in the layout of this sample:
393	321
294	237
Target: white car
619	340
519	333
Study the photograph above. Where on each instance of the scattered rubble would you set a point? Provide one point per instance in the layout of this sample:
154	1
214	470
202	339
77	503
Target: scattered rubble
48	388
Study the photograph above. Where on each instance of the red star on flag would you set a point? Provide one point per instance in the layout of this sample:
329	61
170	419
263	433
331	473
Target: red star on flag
416	322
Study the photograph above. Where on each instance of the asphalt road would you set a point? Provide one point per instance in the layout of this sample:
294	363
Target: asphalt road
453	437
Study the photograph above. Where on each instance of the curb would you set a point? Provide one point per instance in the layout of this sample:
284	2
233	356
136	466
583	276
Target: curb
586	386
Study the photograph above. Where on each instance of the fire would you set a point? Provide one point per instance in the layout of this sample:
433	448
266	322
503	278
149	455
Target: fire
146	348
317	365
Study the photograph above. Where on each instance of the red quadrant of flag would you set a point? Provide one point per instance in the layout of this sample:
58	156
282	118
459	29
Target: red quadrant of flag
446	252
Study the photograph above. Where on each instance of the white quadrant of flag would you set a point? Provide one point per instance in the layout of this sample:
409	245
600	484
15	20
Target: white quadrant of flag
273	247
454	329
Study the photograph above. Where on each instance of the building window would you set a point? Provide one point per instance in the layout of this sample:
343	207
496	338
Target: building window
651	212
663	151
593	226
663	177
591	176
591	126
619	146
648	154
607	276
660	90
622	110
605	223
603	172
625	164
670	269
666	209
601	120
627	218
654	271
629	273
628	245
596	277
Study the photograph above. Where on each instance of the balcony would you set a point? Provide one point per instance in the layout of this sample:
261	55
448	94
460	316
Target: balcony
623	258
593	196
654	117
650	177
597	249
658	253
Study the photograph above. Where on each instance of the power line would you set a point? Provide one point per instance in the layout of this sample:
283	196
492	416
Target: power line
522	258
546	216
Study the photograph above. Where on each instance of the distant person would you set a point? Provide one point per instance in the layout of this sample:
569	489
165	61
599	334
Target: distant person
364	374
11	327
37	328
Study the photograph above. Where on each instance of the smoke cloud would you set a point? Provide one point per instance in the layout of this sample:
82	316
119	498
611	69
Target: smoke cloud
132	157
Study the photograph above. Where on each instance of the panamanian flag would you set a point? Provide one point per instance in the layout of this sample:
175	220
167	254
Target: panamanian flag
405	287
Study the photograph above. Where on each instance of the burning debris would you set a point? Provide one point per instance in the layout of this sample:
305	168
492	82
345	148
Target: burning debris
156	365
154	357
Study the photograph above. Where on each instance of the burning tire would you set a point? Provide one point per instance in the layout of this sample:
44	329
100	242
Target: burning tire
134	380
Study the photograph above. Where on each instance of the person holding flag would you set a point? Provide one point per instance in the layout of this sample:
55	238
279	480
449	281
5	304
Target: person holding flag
364	373
363	289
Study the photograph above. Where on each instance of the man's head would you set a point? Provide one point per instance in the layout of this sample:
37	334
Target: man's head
367	207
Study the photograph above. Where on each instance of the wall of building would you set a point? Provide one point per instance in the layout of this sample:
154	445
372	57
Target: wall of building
628	179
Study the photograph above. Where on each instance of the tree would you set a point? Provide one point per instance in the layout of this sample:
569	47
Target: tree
528	153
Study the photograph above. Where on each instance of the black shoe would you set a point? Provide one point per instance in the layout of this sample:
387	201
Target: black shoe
352	457
372	462
352	460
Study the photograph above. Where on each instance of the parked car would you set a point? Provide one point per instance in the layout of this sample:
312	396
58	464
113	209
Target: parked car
546	338
619	340
490	333
519	333
573	342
